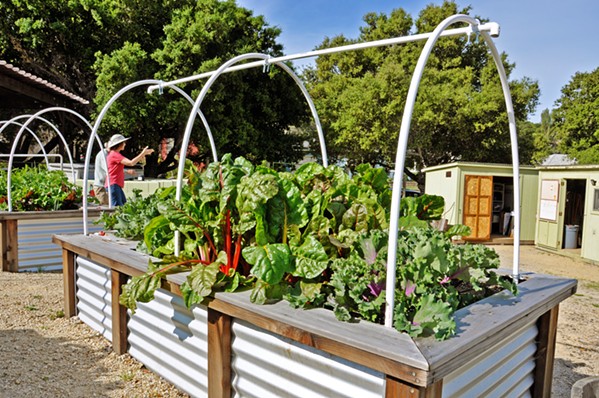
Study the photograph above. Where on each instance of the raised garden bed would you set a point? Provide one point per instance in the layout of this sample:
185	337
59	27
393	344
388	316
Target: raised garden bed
44	203
227	346
26	238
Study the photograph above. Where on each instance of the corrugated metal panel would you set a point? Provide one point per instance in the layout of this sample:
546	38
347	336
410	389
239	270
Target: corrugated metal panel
36	250
505	370
172	341
93	296
266	365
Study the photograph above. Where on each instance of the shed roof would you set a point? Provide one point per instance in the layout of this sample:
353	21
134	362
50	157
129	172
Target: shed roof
481	165
573	167
19	88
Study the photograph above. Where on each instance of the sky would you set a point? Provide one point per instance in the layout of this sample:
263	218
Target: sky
548	40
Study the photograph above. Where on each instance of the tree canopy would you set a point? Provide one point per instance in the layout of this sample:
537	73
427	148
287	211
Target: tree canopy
576	118
460	111
96	47
545	138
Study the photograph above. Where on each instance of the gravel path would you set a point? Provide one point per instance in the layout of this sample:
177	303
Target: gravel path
44	354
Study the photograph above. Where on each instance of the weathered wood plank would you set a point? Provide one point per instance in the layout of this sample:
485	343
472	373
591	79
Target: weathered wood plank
9	242
37	215
111	252
374	346
395	388
487	322
68	281
3	245
219	354
546	339
119	313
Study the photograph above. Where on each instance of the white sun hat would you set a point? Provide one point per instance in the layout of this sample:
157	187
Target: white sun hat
115	140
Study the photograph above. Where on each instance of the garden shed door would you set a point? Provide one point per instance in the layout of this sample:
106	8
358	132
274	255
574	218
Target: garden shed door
478	196
551	209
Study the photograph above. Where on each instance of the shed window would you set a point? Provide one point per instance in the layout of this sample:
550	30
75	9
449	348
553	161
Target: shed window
596	200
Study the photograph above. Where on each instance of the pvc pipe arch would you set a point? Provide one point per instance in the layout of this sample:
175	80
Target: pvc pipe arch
94	135
7	123
22	129
266	58
222	69
402	150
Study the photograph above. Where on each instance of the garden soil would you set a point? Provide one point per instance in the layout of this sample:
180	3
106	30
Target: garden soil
44	354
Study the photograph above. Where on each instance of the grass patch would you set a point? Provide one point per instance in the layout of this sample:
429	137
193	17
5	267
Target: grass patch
127	376
31	308
57	314
592	285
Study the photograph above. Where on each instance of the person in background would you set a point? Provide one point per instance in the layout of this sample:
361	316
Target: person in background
116	163
100	176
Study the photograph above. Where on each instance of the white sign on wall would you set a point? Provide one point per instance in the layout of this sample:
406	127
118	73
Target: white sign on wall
549	198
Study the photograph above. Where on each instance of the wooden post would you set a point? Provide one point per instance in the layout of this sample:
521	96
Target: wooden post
68	277
119	313
9	242
219	354
547	325
395	388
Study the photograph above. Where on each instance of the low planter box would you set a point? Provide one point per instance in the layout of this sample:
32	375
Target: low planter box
229	347
26	237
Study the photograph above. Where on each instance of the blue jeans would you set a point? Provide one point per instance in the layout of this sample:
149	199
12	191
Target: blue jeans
117	196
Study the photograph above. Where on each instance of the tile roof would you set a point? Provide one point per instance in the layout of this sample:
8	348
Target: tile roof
31	79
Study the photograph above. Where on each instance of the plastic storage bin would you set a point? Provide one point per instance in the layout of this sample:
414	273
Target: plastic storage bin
571	241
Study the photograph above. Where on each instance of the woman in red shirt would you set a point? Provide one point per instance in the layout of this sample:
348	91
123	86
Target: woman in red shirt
116	163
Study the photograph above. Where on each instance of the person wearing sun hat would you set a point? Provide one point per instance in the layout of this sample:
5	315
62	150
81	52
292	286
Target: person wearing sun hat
116	163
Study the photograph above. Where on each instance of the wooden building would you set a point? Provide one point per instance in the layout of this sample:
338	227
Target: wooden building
480	195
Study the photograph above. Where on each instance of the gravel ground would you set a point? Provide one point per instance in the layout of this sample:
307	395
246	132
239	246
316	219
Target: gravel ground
44	354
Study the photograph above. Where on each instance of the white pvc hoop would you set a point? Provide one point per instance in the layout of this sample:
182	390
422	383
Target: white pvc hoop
7	123
22	129
94	135
402	149
213	76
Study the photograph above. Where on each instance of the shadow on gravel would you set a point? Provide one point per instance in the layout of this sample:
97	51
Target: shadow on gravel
32	365
564	377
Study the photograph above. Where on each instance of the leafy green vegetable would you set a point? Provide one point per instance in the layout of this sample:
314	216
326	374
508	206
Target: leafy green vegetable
316	238
39	189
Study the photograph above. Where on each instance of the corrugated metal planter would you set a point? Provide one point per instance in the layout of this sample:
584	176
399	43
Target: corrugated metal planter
26	238
233	348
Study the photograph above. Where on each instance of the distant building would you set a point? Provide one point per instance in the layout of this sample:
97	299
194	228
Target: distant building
558	159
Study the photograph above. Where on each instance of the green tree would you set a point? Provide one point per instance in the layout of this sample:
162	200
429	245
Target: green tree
576	117
545	138
460	110
95	47
58	40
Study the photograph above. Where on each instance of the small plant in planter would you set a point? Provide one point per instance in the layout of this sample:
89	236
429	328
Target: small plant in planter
39	189
316	238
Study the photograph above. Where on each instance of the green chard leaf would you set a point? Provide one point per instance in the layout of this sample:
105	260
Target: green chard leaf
270	262
199	283
311	259
140	288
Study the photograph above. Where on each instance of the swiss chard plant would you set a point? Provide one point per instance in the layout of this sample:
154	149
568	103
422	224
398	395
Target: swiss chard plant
39	189
316	238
